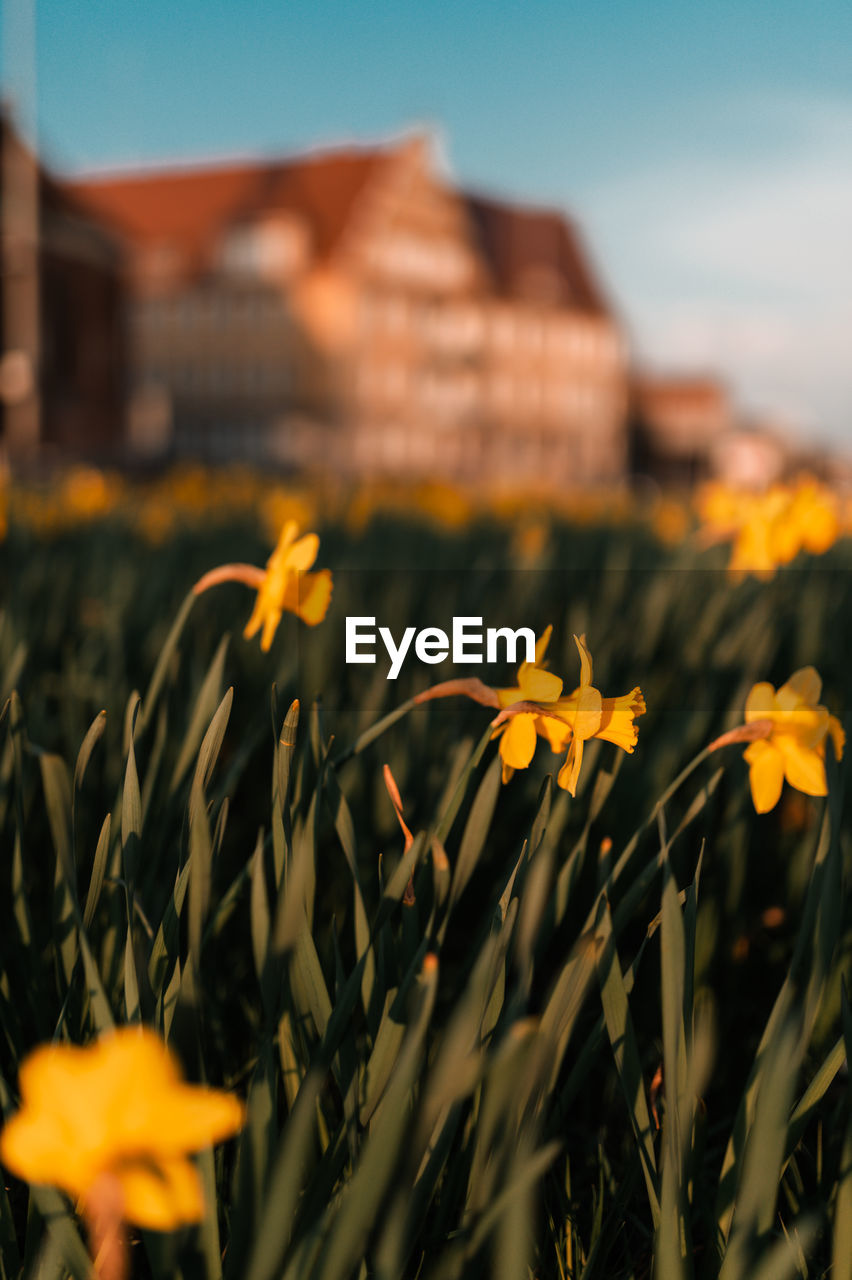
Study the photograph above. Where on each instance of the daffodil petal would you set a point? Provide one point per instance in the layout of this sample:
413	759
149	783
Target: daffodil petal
285	541
766	774
760	702
587	717
187	1117
538	686
804	686
161	1194
541	645
255	622
557	733
838	737
506	697
570	772
303	553
808	724
270	626
517	745
803	767
314	596
585	661
34	1147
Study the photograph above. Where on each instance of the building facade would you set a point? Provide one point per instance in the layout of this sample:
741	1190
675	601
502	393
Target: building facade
677	423
352	310
61	320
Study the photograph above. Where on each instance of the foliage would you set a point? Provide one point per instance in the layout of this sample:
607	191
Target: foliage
606	1038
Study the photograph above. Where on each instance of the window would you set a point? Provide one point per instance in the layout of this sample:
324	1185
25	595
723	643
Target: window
274	247
503	330
439	263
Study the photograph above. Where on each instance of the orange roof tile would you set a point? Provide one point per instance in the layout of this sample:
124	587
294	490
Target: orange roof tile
190	207
679	389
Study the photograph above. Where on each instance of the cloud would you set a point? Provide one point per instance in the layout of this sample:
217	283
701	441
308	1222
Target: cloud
742	263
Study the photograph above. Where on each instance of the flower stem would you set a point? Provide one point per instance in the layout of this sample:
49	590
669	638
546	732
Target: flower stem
102	1211
248	574
680	779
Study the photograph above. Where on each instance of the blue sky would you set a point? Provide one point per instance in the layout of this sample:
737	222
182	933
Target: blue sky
706	148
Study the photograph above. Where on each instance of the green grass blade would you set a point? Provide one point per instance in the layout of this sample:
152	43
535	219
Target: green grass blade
278	1212
164	661
622	1036
841	1241
209	698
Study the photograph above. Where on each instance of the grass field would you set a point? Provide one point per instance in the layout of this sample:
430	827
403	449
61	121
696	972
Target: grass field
551	1036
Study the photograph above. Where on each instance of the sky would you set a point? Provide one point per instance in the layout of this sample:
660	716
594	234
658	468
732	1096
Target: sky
704	148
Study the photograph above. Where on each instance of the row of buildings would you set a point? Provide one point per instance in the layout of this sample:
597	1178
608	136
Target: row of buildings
349	310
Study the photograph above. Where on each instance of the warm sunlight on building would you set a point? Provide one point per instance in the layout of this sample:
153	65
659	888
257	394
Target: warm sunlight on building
351	310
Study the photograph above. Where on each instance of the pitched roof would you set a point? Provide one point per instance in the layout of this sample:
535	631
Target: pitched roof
190	207
680	389
530	253
534	253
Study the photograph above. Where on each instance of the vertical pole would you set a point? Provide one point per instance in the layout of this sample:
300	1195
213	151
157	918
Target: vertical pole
19	221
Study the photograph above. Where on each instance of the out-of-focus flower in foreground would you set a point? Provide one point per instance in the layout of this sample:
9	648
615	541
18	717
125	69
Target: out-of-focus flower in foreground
769	529
590	715
284	586
117	1115
792	729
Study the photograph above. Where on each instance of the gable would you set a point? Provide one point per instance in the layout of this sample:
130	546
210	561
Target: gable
534	255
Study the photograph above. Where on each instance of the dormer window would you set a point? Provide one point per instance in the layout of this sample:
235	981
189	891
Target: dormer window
272	248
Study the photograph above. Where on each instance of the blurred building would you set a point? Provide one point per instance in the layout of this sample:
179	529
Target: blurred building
755	456
677	423
352	310
61	335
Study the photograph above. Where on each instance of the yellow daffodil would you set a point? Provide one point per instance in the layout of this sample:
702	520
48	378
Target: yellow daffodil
589	715
285	586
534	708
118	1112
518	734
769	529
793	728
